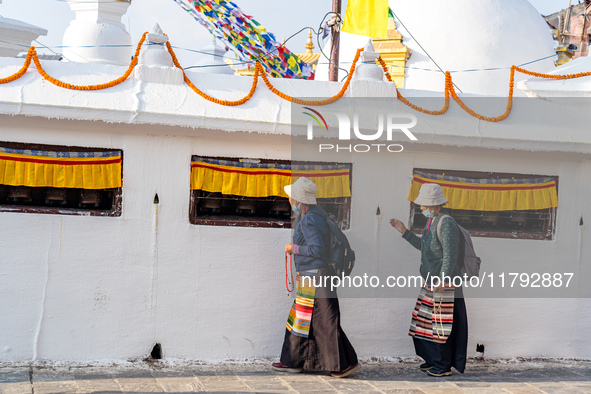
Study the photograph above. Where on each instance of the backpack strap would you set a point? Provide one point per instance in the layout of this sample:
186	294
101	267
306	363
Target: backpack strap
319	212
439	224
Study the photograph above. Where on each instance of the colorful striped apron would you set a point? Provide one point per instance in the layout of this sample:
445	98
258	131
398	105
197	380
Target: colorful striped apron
300	314
433	316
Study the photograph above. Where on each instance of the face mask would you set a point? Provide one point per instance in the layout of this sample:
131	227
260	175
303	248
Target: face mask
296	209
428	213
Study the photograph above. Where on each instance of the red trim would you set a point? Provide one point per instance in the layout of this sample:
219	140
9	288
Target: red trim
553	184
293	174
64	162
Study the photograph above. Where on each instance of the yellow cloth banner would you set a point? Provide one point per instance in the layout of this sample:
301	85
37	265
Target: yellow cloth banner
479	196
367	18
60	172
238	180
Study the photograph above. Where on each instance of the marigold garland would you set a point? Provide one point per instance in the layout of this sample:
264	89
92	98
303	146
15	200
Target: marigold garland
488	118
99	86
257	70
316	102
443	110
449	90
23	69
551	76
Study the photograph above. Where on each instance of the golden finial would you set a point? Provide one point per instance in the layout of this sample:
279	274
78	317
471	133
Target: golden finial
309	45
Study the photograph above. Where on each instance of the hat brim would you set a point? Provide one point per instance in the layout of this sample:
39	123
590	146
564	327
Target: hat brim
429	202
287	189
299	196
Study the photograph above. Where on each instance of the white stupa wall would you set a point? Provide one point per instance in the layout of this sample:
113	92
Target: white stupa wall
103	288
83	288
463	35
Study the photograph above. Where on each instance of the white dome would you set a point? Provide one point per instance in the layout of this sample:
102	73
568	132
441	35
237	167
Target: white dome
466	35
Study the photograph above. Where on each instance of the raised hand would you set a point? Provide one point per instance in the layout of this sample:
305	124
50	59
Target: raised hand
398	225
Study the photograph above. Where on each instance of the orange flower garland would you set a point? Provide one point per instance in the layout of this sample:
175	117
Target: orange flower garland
449	89
243	100
316	102
23	69
413	106
552	76
91	87
488	118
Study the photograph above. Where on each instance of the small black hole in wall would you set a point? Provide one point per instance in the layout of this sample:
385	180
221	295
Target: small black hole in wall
156	352
479	348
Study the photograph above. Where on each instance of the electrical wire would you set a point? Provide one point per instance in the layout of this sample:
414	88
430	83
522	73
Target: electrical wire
59	54
427	53
266	54
269	53
336	46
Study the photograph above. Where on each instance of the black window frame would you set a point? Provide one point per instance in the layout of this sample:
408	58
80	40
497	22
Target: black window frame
513	224
110	199
340	207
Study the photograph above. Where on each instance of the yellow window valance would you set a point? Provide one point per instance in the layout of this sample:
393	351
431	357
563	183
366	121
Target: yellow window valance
83	170
490	194
266	179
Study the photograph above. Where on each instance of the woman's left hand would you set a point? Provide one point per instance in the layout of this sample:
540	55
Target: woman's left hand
288	248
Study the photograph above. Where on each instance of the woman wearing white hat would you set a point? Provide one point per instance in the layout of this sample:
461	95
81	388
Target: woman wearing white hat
439	325
314	338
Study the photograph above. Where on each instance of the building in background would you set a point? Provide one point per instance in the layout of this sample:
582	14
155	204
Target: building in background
571	28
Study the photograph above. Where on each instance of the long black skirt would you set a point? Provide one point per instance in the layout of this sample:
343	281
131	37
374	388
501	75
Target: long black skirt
453	352
327	348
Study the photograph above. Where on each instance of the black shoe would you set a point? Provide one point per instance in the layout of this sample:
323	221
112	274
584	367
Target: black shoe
425	367
439	372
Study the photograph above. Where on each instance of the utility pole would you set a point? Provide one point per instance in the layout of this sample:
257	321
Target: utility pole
566	23
583	33
333	69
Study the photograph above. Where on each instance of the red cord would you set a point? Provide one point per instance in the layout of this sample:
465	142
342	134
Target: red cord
287	282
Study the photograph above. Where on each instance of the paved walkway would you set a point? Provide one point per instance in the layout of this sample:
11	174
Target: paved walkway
480	377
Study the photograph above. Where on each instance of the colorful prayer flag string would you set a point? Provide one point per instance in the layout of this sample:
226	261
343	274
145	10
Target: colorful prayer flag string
243	35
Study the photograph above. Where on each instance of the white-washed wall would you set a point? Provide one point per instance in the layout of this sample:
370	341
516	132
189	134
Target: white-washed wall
95	288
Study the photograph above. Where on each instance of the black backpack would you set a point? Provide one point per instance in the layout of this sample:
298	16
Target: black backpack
341	256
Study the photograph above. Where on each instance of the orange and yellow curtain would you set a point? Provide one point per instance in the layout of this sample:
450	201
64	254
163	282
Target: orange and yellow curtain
490	194
266	179
36	168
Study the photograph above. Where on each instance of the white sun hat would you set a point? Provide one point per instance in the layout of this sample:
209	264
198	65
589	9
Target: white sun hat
303	190
430	195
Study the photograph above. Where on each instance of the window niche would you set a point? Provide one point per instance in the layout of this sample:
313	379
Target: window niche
222	201
64	180
515	223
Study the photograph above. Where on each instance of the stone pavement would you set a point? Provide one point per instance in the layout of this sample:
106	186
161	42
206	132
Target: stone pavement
387	377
